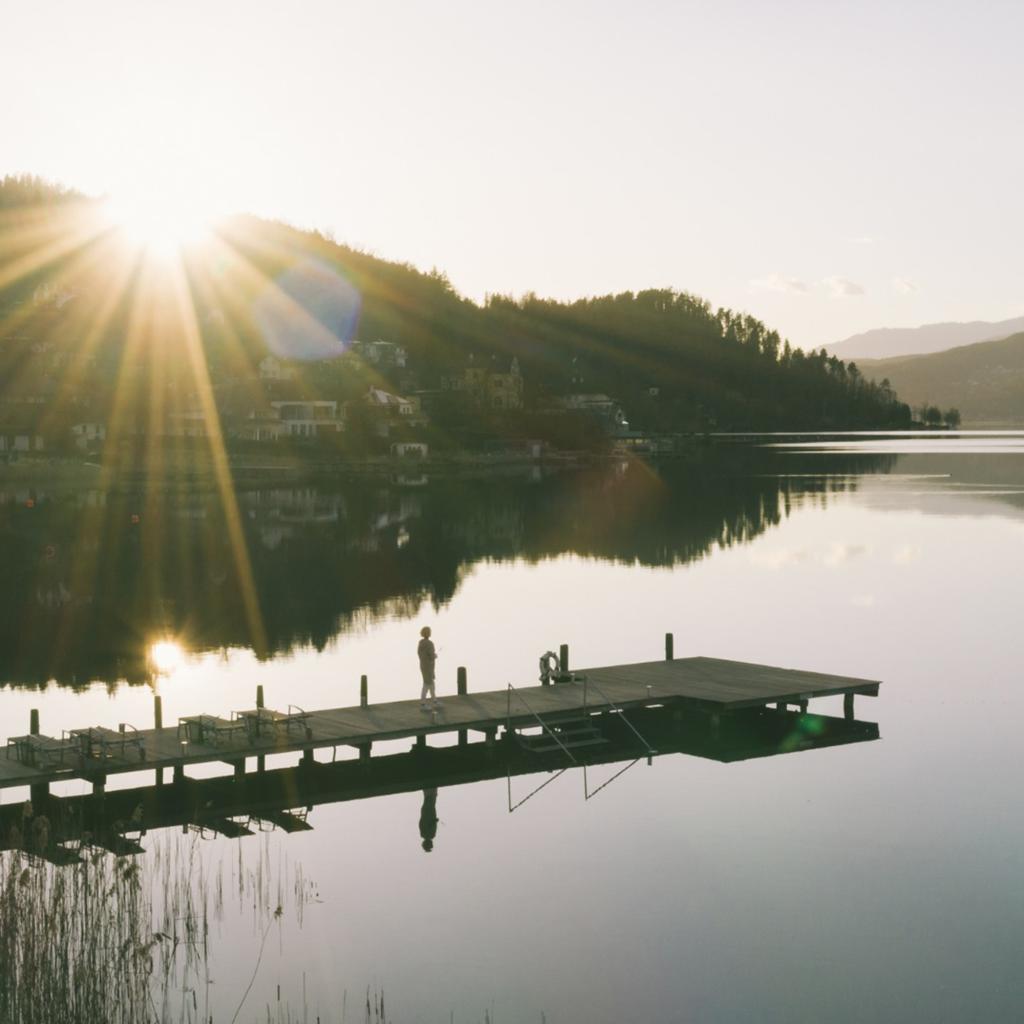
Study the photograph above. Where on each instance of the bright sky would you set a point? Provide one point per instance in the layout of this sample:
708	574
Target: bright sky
829	167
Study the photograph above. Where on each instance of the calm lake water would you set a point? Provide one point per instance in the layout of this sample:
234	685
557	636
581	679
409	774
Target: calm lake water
873	881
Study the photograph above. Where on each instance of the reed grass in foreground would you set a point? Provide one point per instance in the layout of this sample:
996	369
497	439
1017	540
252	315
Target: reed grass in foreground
122	940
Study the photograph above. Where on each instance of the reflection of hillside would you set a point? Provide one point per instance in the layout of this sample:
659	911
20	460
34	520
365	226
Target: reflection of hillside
91	579
973	484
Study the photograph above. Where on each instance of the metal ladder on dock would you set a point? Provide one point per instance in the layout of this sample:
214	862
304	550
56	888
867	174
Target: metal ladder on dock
565	734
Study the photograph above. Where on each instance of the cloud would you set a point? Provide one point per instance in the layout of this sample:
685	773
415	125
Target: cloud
780	283
832	557
905	554
904	285
840	553
777	558
842	287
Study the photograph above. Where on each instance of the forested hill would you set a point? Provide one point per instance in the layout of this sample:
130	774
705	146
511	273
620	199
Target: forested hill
671	361
984	381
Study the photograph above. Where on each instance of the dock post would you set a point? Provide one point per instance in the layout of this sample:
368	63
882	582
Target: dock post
364	752
307	758
158	723
669	645
364	695
421	742
563	659
461	687
41	790
848	707
178	775
261	763
239	767
259	696
490	735
99	784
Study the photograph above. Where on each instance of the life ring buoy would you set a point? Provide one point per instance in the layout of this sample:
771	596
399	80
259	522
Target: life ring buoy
549	667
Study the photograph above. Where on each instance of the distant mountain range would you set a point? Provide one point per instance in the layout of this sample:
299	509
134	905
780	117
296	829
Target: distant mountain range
985	381
885	342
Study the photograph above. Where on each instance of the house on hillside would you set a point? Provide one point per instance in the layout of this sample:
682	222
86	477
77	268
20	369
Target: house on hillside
493	384
383	354
15	438
600	406
88	435
308	417
394	411
410	449
396	405
263	424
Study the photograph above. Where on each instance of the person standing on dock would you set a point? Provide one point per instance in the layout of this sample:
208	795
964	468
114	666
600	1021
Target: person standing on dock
428	656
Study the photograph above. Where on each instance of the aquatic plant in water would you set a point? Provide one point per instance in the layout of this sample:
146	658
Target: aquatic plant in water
119	940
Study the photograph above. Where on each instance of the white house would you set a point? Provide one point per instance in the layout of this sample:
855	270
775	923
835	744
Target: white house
88	434
20	441
393	404
308	418
381	353
410	449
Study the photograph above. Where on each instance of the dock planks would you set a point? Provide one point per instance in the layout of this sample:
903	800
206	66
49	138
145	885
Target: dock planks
713	683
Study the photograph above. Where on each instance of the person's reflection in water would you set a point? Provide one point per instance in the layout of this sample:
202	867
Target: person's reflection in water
428	818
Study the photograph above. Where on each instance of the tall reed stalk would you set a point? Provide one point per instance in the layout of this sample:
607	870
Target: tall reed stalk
110	940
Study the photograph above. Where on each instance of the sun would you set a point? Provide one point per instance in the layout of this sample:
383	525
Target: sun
160	222
166	656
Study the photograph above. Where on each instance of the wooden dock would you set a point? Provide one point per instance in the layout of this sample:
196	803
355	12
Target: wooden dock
282	798
705	686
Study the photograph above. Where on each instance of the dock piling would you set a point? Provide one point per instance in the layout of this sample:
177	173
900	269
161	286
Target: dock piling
33	722
848	707
158	711
364	692
461	688
259	696
669	647
563	659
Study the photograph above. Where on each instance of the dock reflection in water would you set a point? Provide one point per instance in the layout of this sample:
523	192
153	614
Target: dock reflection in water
284	798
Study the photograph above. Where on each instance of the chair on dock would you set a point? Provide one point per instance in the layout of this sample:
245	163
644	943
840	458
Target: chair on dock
45	751
262	723
210	729
100	743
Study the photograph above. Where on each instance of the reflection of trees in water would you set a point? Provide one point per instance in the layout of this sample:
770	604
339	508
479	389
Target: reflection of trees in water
91	580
